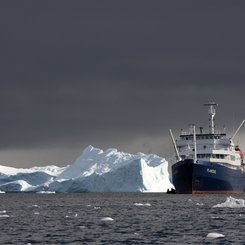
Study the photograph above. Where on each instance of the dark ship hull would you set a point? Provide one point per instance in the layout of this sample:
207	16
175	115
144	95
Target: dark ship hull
207	177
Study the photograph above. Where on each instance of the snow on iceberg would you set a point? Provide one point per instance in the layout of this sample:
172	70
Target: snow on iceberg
94	171
112	171
20	179
16	186
51	170
231	202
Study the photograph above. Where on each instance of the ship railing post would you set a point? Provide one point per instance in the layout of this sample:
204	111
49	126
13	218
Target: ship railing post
195	143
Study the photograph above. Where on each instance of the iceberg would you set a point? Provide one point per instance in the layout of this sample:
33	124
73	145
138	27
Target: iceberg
94	170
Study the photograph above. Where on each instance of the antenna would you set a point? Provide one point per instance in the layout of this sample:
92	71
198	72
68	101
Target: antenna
212	113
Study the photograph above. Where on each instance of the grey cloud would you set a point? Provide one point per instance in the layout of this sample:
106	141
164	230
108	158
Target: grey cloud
111	73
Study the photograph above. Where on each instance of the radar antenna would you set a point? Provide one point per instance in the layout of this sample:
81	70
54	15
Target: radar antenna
211	113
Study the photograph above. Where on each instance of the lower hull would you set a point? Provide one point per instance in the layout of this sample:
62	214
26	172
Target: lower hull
206	177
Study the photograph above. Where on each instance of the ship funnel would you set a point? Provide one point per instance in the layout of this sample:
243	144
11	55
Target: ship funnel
211	113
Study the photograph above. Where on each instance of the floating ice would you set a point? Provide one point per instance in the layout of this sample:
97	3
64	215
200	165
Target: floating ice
2	192
37	213
213	235
46	192
4	216
231	202
142	204
3	212
107	219
215	217
199	204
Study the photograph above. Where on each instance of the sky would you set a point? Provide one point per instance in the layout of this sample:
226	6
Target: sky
115	74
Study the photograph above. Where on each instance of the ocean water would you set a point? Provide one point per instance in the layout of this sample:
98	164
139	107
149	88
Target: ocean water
119	218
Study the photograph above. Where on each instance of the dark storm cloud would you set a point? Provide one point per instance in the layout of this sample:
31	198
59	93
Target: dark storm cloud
79	72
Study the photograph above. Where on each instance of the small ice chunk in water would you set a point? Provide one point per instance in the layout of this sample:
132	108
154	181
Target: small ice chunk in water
107	219
3	212
199	204
213	235
4	216
231	202
215	217
142	204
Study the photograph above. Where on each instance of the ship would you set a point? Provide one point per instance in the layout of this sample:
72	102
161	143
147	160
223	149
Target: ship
207	161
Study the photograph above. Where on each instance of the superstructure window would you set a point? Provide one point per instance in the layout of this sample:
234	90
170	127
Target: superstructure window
218	156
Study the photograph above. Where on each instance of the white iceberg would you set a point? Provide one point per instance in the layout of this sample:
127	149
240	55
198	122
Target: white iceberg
112	171
94	171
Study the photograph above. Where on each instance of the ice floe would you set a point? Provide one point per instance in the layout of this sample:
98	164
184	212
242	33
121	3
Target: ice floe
214	235
107	219
4	216
46	192
231	202
142	204
199	204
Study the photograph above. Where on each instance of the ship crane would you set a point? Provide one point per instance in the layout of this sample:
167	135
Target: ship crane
238	129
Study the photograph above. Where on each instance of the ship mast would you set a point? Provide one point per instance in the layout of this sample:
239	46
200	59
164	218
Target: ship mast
211	113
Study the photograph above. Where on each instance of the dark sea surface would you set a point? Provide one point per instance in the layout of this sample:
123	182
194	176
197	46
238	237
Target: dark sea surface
118	218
